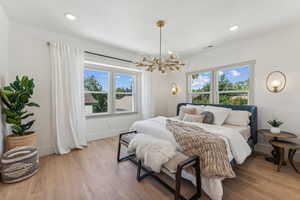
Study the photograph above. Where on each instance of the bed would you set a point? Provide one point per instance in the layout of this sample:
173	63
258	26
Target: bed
252	140
240	141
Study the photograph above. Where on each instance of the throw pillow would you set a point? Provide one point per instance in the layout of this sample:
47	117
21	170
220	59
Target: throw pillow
208	117
193	118
185	110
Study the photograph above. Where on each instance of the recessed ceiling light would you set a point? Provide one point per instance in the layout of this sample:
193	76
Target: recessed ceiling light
234	28
69	16
208	47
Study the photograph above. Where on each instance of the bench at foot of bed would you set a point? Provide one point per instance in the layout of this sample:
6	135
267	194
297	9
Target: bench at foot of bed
173	168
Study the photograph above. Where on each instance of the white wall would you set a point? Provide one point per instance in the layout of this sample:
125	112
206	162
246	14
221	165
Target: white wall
29	55
3	61
277	50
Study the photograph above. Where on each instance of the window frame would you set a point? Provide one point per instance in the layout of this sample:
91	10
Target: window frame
111	89
215	93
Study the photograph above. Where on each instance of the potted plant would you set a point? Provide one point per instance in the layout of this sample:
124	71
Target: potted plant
275	125
15	102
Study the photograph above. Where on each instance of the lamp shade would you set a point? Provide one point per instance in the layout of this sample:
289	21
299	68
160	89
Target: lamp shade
276	81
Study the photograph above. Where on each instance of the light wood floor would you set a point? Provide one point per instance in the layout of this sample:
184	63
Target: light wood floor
93	173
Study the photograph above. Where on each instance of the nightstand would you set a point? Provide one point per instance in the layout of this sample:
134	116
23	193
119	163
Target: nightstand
282	145
275	153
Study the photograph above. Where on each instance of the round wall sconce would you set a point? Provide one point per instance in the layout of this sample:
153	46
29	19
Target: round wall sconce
174	88
276	81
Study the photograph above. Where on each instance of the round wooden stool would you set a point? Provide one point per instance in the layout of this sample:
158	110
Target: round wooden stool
280	147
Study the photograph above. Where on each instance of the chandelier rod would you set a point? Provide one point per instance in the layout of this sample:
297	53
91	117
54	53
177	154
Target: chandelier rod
160	44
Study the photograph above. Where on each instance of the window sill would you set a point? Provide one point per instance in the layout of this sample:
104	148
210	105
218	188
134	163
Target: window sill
109	114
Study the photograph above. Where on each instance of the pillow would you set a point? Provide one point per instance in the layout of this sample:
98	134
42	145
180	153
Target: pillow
208	117
184	110
199	108
193	118
220	114
238	118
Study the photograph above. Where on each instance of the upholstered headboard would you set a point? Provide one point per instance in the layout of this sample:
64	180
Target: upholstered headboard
253	118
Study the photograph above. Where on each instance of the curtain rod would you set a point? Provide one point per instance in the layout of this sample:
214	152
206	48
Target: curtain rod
102	55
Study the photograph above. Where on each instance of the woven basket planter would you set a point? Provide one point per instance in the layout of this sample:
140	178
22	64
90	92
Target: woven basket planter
19	141
18	164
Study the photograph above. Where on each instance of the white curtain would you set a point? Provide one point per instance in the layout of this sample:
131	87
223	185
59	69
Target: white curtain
69	125
147	95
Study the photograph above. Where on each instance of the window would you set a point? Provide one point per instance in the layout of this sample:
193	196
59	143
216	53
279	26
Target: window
124	96
96	91
223	85
200	87
233	85
109	91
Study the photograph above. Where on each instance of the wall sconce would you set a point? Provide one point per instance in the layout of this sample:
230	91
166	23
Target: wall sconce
174	88
276	81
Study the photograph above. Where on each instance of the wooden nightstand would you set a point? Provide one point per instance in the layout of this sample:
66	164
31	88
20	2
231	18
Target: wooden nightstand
281	146
275	153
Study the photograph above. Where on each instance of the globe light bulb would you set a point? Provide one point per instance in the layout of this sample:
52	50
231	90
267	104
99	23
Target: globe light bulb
275	83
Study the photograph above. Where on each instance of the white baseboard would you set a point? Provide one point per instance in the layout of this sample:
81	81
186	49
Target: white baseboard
48	150
104	134
266	148
45	151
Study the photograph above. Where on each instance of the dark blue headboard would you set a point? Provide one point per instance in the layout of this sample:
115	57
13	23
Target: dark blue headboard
253	119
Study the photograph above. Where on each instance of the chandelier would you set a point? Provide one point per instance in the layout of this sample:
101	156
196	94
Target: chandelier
169	63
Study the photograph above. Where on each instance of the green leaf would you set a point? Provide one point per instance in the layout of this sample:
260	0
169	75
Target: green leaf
9	113
24	98
17	130
7	92
8	88
11	121
31	104
28	115
5	100
27	126
13	86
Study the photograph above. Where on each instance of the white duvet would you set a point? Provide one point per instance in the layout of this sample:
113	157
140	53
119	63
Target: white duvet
237	147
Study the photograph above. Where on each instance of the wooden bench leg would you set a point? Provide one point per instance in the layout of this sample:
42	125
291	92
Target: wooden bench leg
140	167
120	144
178	184
180	168
281	157
138	172
119	149
198	177
291	159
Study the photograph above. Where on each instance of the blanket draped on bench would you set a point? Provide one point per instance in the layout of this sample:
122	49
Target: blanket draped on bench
154	152
210	148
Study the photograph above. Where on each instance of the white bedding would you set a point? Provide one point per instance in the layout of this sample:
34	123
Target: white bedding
245	131
236	145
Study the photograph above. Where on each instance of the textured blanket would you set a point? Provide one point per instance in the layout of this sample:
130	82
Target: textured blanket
210	148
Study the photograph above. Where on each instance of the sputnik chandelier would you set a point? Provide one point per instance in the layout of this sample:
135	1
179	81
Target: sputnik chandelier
170	63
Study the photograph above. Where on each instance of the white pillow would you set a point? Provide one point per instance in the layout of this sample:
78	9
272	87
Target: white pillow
220	113
199	108
239	118
193	118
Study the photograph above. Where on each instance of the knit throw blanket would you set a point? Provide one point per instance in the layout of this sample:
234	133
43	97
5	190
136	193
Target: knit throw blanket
210	148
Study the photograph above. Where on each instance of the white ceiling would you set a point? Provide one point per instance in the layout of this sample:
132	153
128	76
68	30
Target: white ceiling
190	25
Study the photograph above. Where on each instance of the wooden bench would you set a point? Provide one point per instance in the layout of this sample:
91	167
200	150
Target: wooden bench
173	168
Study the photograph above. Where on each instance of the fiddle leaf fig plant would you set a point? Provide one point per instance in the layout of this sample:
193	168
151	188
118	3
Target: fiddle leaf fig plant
15	101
